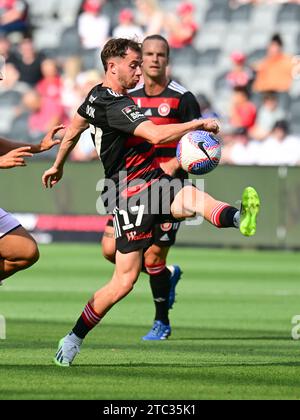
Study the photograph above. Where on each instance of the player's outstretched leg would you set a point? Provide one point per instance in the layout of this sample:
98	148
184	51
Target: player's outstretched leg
126	273
190	201
249	211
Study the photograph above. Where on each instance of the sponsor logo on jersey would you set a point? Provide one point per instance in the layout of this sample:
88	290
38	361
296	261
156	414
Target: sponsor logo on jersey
166	227
133	236
165	238
164	110
148	113
133	113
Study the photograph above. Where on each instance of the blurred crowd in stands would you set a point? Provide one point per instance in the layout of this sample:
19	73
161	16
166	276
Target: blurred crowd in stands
43	87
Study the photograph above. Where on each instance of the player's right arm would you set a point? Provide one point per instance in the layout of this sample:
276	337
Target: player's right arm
71	138
123	114
161	134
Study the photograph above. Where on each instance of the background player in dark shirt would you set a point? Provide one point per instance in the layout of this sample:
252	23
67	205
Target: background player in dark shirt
163	101
124	139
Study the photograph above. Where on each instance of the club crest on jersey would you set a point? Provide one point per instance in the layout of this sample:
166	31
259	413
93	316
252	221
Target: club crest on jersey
132	113
164	110
166	227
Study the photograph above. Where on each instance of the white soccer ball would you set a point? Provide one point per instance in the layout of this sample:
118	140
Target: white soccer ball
199	152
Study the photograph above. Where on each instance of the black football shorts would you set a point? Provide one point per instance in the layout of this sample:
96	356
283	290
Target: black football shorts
165	234
135	223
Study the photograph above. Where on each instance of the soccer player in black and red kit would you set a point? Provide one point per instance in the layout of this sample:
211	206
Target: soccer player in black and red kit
163	101
124	138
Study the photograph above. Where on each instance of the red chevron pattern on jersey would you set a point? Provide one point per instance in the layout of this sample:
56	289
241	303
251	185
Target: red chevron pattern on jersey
174	105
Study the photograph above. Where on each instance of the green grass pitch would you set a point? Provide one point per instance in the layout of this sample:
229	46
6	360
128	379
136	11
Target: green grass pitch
231	330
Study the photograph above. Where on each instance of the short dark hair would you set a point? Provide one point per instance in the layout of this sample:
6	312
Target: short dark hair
270	96
243	90
282	125
158	38
118	47
277	39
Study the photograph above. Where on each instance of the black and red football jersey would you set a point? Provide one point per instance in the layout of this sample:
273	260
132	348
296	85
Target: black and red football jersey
174	105
113	119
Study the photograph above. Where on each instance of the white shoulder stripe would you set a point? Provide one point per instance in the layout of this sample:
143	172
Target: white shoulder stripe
178	88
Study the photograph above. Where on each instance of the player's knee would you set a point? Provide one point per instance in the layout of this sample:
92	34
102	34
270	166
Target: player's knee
109	254
125	289
125	284
154	261
31	256
128	281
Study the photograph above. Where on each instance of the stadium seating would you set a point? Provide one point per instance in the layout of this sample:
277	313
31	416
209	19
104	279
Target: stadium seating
208	57
289	13
18	128
6	120
295	110
241	14
221	83
8	103
202	67
218	13
49	35
90	59
256	56
70	42
10	98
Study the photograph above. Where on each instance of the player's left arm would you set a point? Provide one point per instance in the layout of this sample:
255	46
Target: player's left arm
53	175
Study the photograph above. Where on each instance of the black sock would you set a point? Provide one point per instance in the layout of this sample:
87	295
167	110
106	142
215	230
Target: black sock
81	329
160	286
227	217
88	320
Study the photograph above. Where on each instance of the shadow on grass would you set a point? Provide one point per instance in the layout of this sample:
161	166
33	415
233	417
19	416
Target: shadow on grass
180	333
123	342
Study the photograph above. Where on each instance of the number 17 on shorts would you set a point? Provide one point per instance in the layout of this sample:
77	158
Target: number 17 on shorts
133	229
